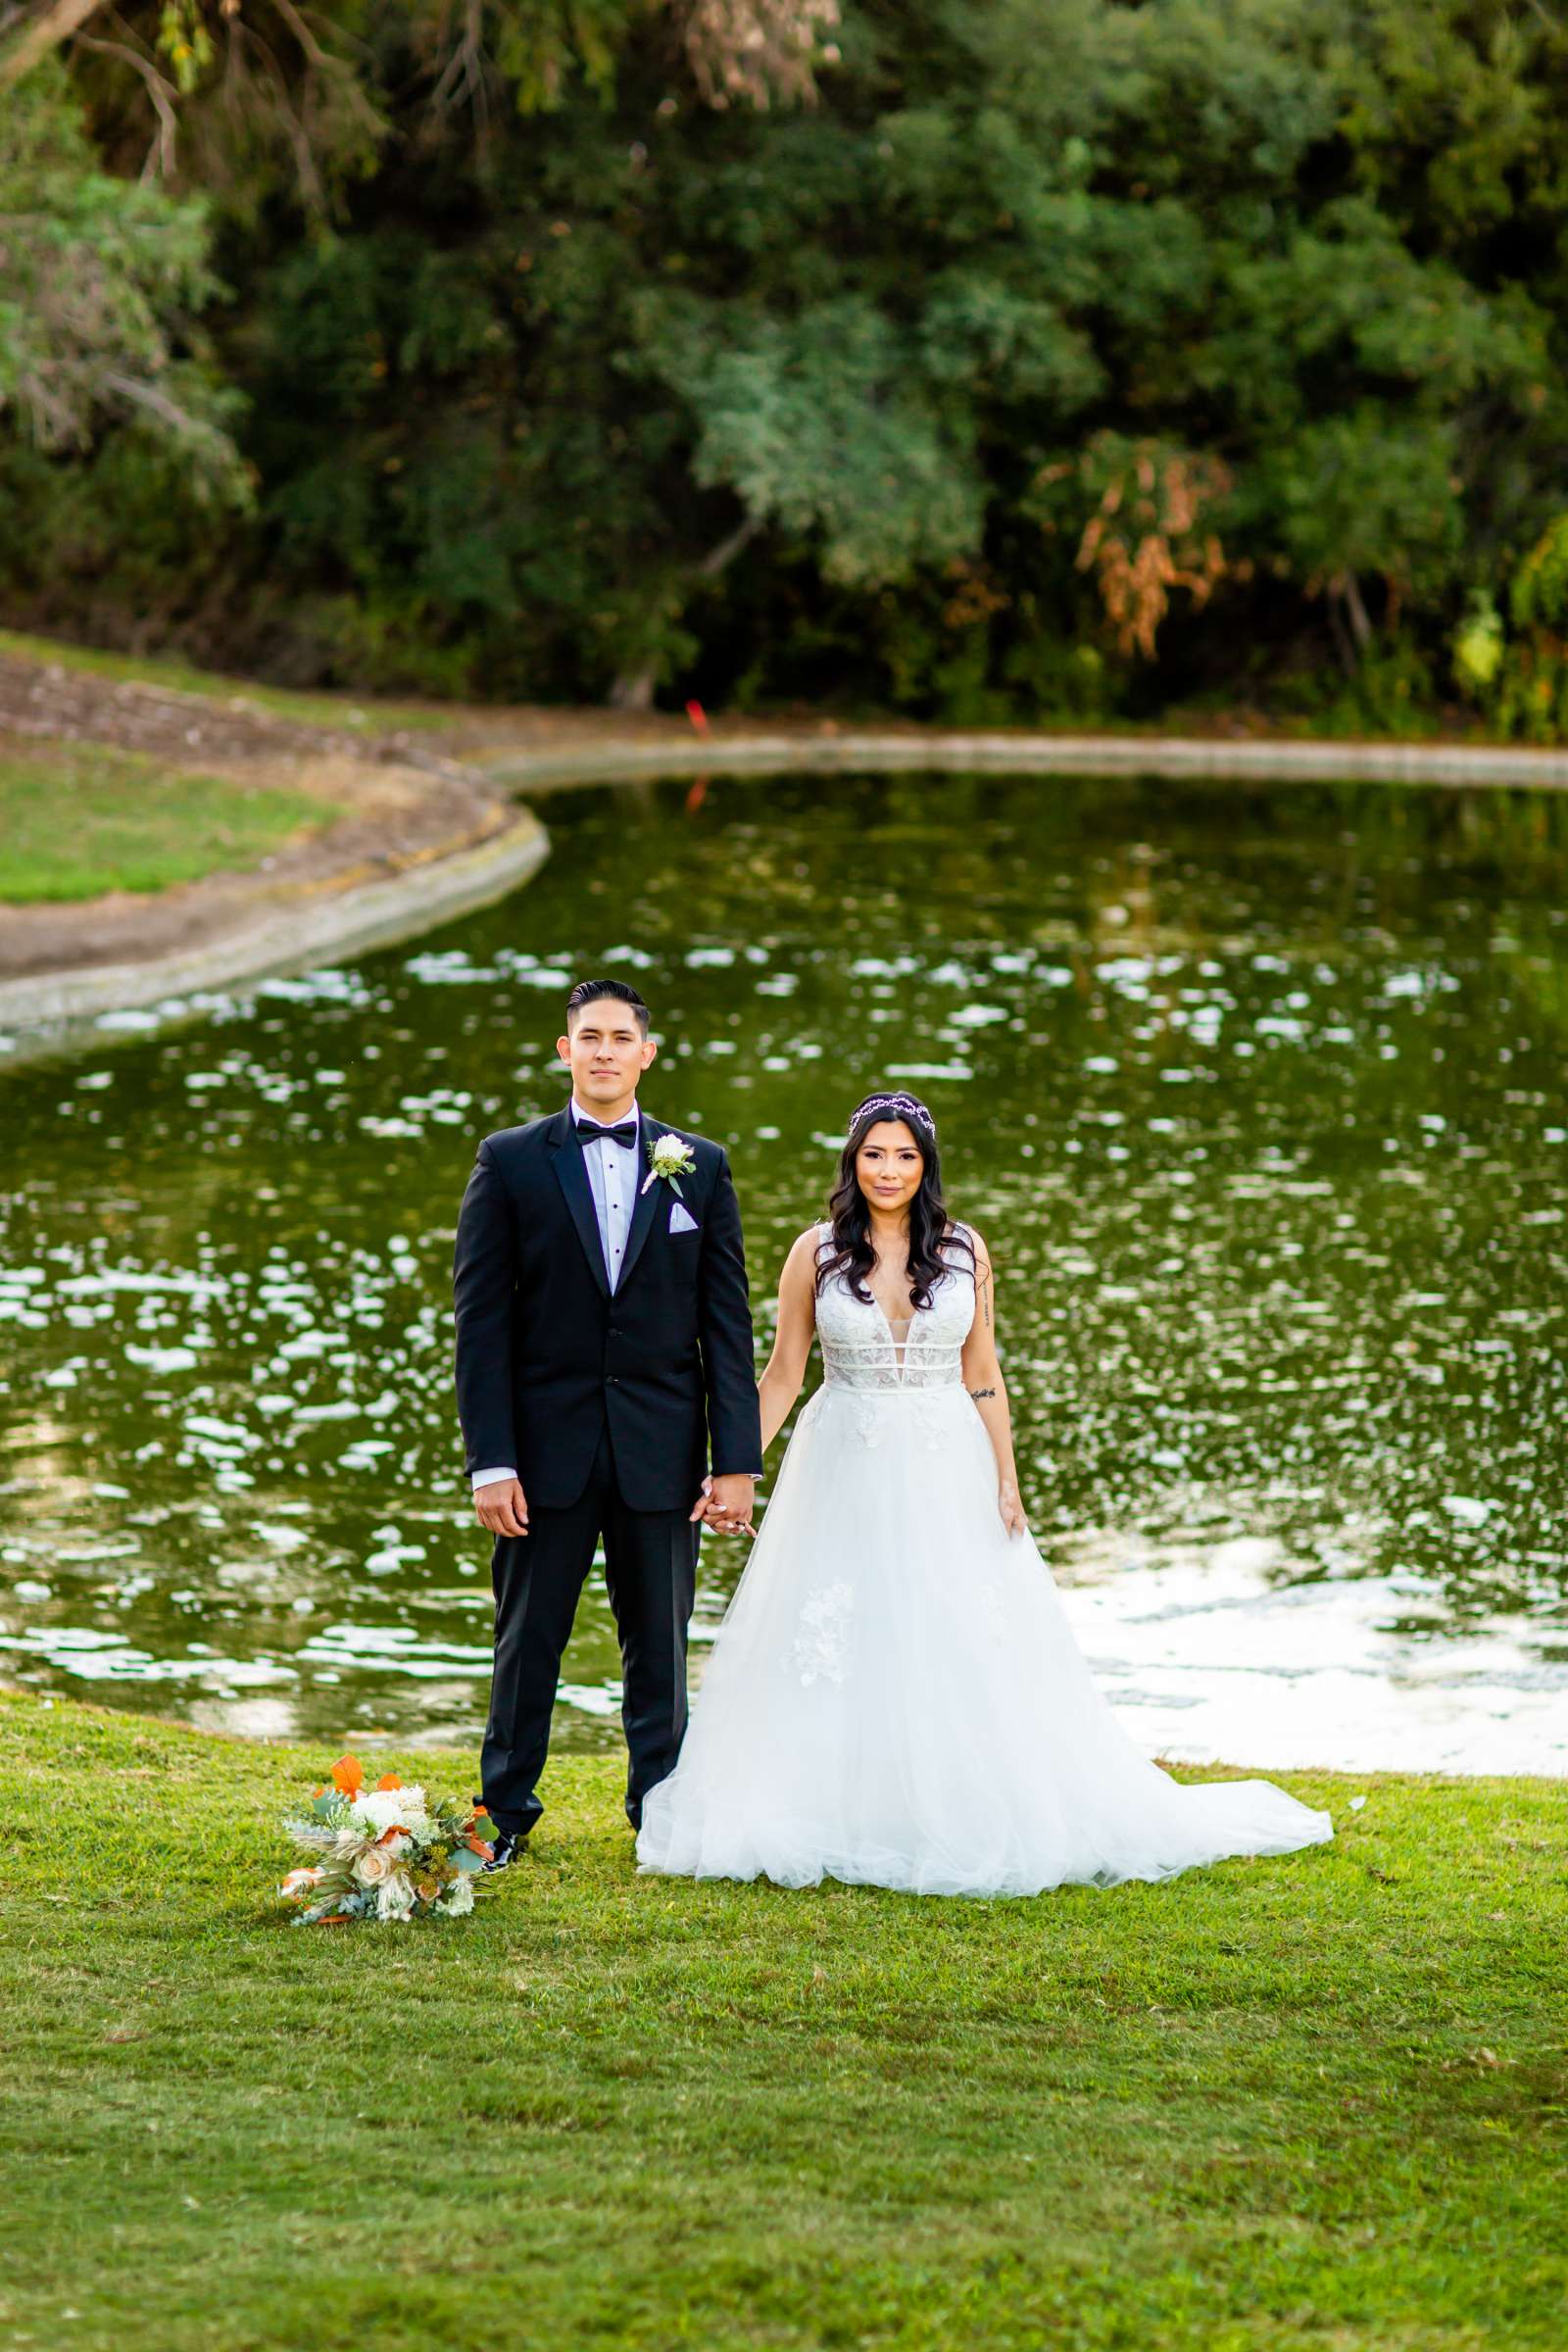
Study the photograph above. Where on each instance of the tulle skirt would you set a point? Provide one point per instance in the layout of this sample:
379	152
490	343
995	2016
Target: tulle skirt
896	1698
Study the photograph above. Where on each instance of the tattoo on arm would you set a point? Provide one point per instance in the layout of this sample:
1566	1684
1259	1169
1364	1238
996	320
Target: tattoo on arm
977	1394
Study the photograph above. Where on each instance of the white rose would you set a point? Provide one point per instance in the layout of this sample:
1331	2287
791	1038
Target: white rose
670	1156
374	1866
379	1808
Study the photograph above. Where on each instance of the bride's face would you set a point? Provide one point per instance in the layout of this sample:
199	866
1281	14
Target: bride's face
888	1166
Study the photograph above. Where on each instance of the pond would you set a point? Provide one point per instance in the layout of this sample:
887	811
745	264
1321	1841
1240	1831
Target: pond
1257	1094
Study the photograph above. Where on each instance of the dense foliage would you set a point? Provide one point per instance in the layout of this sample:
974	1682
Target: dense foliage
1061	357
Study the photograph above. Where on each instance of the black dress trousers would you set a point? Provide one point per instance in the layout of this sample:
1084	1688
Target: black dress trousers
651	1571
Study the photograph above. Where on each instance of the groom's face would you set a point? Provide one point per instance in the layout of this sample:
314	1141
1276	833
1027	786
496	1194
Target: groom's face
607	1053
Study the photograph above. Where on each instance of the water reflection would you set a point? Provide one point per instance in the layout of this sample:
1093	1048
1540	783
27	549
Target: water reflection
1257	1098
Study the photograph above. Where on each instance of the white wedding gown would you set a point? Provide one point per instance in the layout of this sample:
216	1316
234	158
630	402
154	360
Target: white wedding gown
895	1697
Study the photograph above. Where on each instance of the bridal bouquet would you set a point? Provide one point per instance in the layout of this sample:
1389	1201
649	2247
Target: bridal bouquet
386	1852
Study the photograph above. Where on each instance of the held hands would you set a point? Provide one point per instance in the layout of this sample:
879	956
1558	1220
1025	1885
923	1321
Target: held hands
1011	1509
725	1503
503	1508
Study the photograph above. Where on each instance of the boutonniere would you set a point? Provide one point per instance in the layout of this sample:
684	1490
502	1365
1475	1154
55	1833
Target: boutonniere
669	1156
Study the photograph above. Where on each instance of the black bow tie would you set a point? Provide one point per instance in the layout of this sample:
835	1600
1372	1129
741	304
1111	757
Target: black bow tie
625	1133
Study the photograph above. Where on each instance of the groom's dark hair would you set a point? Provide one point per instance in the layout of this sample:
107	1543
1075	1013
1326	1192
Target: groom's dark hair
588	992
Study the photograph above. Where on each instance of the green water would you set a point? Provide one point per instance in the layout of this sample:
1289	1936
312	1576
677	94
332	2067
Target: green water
1256	1096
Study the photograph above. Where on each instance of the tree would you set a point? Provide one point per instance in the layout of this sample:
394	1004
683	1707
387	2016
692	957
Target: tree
565	378
319	88
101	288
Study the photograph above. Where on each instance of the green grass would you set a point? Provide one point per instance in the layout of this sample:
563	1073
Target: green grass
358	714
87	818
1313	2101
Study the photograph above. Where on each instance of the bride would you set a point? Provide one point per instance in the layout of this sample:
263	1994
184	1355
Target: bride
895	1697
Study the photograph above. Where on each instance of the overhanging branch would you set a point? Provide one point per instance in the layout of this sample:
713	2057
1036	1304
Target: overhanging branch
31	46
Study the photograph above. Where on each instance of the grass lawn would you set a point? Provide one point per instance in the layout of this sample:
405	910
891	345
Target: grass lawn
1315	2101
88	819
351	712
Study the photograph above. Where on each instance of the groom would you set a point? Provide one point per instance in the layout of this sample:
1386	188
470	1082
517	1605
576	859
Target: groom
604	1345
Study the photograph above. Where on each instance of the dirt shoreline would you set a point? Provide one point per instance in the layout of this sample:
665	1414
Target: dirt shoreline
410	804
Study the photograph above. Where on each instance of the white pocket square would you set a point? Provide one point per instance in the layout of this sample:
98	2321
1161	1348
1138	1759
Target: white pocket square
679	1220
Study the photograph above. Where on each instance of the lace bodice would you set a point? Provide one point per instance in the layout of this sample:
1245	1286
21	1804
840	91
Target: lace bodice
860	1349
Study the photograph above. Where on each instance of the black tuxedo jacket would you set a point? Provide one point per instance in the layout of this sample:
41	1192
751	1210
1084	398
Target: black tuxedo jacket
546	1351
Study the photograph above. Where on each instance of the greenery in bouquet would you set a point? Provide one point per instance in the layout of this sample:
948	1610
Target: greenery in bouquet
385	1853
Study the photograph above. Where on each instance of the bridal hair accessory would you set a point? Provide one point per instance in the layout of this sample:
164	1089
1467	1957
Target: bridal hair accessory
669	1156
903	1107
386	1853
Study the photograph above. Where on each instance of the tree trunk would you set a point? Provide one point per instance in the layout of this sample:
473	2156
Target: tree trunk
635	691
1359	623
1346	607
719	558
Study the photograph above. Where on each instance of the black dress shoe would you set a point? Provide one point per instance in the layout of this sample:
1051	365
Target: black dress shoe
509	1843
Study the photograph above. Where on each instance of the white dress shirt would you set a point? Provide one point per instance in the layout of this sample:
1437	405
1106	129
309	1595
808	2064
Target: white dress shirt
612	1181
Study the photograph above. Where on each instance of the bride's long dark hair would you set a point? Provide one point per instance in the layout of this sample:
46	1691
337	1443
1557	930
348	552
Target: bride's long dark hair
931	1230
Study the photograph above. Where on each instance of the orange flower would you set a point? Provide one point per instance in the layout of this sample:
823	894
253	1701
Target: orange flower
396	1831
477	1845
389	1780
348	1775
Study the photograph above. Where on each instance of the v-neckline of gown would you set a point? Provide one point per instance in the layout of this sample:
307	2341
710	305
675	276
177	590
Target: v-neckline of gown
900	1363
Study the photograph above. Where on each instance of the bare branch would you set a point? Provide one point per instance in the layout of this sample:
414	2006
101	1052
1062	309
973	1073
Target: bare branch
463	75
294	130
719	558
148	396
57	24
158	89
301	32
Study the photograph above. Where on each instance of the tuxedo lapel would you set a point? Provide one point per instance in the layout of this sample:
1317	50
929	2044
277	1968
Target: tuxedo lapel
573	1174
647	1203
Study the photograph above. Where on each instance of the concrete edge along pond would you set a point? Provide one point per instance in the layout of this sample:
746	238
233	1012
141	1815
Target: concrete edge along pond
40	1011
